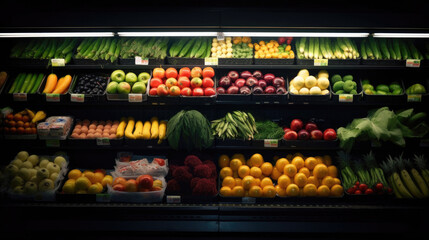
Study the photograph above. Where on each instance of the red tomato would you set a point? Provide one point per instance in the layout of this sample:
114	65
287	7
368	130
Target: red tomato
153	92
185	71
174	91
208	72
162	90
209	91
184	82
197	92
158	73
186	91
196	72
171	82
171	73
208	82
155	82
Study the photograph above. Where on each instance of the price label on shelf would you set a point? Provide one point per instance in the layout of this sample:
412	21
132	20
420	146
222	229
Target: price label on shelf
102	197
345	98
414	98
77	97
141	61
174	199
103	141
135	97
271	143
414	63
20	97
52	97
321	62
58	62
249	200
211	61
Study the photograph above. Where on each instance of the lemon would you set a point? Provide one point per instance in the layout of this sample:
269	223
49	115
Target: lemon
310	190
224	172
298	82
267	168
69	187
257	160
243	171
310	82
323	83
95	188
304	91
82	183
320	170
256	172
225	191
283	181
303	73
238	191
107	180
255	191
235	164
228	182
281	163
292	190
315	90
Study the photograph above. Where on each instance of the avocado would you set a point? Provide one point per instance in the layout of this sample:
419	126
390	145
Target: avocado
336	78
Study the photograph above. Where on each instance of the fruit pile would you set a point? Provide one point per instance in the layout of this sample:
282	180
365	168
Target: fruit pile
143	183
195	177
23	122
149	129
416	88
30	174
241	178
86	129
237	47
327	48
98	49
127	83
185	82
299	130
26	83
343	85
196	47
221	48
247	82
154	47
274	49
57	86
394	88
90	84
304	83
86	182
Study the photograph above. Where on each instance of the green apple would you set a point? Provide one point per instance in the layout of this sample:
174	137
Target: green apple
117	76
124	88
27	164
54	176
139	87
24	173
143	77
17	162
18	190
34	159
16	181
60	161
52	167
43	162
23	155
30	187
33	172
42	173
131	78
112	87
46	185
11	169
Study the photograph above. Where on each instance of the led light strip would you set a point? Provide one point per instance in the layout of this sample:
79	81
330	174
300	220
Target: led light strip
295	34
401	35
56	34
167	34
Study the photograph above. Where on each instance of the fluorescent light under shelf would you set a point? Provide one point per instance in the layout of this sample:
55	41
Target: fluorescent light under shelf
296	34
401	35
167	34
56	34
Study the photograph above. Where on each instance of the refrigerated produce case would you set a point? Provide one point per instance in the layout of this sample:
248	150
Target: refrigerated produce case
299	216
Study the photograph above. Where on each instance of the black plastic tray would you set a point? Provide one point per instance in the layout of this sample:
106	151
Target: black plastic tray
392	99
33	98
274	61
82	61
132	61
90	97
310	62
235	61
232	142
64	98
144	142
383	62
270	98
356	97
185	61
29	61
310	144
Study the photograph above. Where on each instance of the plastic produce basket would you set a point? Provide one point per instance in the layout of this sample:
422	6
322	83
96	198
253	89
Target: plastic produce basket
392	99
235	61
21	97
383	62
344	97
85	98
137	197
126	97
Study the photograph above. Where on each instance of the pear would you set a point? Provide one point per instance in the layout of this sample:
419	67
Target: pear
42	173
60	161
54	177
27	164
24	173
33	172
30	187
43	162
23	155
34	159
17	181
46	185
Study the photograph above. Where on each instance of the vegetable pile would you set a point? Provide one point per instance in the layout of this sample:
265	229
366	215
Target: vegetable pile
26	83
143	47
98	49
268	130
235	125
189	129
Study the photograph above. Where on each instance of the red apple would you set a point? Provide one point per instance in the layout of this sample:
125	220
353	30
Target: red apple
162	90
207	82
186	91
209	91
329	134
310	126
174	91
144	181
286	129
184	82
155	82
197	92
316	134
290	135
296	125
171	82
185	72
153	91
303	135
196	82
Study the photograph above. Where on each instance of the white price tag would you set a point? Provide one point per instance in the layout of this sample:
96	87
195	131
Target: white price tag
20	97
271	143
249	200
52	97
345	98
211	61
173	199
414	63
77	97
58	62
141	61
320	62
135	97
414	98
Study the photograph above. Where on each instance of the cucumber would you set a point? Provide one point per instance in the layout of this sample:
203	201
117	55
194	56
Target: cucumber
413	50
415	119
187	47
82	45
47	49
374	48
37	83
112	47
384	49
41	48
68	57
391	49
397	48
180	44
61	47
21	81
196	47
89	49
51	53
363	49
404	50
96	45
69	47
30	84
209	49
97	53
15	82
25	83
316	48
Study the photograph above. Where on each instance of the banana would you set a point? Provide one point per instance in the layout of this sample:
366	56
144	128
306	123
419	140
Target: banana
39	116
30	113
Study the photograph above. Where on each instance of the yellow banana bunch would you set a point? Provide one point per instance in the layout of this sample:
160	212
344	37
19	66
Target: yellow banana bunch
39	116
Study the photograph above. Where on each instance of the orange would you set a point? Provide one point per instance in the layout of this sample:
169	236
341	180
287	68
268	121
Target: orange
313	180
226	171
90	176
223	161
292	190
74	174
320	170
267	168
228	182
300	179
284	181
82	183
243	171
275	174
290	170
298	154
309	190
280	191
323	191
256	160
235	164
289	157
281	163
319	159
337	181
98	177
256	172
306	171
328	181
239	156
238	191
257	182
255	191
332	171
327	160
238	182
248	182
225	191
235	174
268	191
266	181
337	190
310	162
298	161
